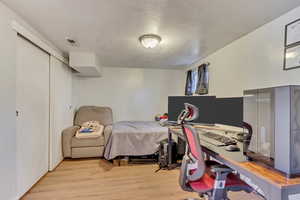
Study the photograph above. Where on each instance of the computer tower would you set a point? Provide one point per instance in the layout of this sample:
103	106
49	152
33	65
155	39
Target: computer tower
167	153
274	114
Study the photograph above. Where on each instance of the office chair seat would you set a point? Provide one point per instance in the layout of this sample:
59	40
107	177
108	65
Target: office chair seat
204	184
207	181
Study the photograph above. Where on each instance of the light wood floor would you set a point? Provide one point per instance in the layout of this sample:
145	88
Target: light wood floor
98	179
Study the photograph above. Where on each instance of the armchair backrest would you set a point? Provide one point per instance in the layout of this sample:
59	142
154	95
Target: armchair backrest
90	113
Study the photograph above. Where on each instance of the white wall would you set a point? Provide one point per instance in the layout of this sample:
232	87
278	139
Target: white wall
132	93
61	114
8	101
253	61
7	106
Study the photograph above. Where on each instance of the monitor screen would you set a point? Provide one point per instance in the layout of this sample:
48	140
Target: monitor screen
206	105
229	111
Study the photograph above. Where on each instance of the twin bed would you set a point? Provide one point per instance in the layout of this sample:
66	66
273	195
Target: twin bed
134	138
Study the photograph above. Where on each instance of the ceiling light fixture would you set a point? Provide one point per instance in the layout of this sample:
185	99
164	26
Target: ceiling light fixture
150	40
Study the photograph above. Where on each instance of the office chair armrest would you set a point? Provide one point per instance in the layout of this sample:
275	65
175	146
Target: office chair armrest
197	174
221	169
198	170
221	172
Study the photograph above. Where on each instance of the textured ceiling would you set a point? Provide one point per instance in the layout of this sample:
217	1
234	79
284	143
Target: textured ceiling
190	29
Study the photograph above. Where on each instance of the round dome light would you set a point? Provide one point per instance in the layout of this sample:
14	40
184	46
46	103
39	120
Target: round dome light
150	40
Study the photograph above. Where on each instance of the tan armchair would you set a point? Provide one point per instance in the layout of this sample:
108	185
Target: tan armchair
90	147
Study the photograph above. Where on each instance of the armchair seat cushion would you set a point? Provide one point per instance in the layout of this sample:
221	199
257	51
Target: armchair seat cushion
88	142
95	130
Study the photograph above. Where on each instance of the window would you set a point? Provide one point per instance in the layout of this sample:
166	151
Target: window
197	80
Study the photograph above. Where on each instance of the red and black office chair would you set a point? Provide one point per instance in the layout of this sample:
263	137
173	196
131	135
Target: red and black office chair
207	178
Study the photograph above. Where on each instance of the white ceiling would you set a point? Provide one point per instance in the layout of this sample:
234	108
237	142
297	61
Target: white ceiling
190	29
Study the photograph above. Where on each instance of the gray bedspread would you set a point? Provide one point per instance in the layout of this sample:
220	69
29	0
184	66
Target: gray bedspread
134	138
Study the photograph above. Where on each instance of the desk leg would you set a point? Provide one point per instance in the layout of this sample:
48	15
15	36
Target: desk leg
274	194
291	193
271	192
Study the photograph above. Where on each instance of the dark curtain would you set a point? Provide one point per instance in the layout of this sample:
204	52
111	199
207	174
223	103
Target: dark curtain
202	85
188	84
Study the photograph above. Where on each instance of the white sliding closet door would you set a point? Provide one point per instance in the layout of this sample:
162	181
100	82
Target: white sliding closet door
61	114
33	114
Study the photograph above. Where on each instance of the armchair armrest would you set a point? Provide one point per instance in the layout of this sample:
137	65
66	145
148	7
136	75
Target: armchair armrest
107	133
67	135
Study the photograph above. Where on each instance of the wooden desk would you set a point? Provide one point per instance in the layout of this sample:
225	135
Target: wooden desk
273	184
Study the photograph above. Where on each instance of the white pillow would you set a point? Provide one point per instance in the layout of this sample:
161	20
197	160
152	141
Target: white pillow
95	129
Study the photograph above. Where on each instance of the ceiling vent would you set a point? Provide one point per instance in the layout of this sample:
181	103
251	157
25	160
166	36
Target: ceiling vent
72	42
86	63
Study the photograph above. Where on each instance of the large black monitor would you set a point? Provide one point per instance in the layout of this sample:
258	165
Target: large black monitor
206	105
229	111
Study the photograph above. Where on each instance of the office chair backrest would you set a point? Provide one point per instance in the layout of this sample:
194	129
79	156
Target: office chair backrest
194	157
195	151
188	114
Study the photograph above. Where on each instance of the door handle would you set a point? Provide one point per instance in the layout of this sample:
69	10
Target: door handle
17	113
